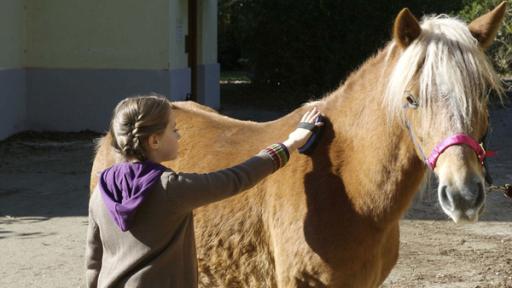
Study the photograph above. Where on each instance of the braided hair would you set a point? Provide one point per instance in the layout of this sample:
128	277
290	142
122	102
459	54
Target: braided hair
134	120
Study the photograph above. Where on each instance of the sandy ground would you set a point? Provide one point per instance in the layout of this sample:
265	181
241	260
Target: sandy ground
43	208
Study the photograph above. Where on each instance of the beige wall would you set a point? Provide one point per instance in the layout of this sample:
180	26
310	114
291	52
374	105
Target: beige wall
207	32
178	23
11	33
83	56
95	34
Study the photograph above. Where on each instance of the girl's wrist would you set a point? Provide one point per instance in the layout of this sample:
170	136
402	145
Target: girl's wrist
278	153
291	145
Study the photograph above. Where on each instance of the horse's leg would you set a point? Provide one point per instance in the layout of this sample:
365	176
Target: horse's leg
380	257
232	243
297	266
389	251
365	264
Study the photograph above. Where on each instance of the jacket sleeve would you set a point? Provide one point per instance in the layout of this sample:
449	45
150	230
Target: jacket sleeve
93	253
191	190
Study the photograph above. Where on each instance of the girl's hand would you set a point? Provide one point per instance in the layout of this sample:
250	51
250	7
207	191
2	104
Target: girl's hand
300	136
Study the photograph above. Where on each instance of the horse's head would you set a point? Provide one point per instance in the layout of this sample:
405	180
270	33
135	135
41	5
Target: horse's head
439	89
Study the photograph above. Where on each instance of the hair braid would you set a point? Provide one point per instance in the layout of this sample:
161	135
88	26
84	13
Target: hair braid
134	120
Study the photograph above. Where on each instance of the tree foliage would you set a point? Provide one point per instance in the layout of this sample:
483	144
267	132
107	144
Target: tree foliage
310	46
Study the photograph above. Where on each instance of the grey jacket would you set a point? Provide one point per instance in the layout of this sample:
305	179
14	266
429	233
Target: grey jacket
159	249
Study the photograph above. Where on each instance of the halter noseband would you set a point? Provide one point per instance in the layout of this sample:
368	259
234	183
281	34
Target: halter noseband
457	139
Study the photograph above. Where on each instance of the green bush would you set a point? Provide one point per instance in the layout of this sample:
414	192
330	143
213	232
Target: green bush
501	51
308	47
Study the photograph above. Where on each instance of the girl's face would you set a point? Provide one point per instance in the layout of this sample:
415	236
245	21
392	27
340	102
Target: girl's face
164	147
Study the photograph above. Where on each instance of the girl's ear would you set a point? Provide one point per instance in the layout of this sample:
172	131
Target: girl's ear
154	141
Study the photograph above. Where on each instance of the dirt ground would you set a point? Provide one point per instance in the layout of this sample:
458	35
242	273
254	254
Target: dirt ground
43	207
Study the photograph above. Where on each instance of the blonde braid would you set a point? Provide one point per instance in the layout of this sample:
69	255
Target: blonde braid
134	120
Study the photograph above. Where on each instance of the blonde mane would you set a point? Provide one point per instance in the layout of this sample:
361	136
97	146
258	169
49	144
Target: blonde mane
449	65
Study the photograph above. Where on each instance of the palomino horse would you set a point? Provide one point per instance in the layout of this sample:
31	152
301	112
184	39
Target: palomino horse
332	219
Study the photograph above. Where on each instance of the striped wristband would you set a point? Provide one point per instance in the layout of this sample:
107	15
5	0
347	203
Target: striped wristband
279	154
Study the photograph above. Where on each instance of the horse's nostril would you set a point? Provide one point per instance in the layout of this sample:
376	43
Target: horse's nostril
480	195
445	199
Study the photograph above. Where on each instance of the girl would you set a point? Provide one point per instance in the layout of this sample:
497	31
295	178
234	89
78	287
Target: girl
141	230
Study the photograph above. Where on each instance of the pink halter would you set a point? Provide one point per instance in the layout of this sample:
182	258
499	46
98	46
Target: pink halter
457	139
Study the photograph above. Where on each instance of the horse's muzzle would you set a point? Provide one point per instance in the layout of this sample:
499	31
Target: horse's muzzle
463	204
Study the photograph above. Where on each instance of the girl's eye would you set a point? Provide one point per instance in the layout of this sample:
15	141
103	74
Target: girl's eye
412	101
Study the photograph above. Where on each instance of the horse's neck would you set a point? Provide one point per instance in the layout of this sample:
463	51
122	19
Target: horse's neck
376	160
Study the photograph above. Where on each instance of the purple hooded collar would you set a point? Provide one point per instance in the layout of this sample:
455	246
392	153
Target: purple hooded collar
124	187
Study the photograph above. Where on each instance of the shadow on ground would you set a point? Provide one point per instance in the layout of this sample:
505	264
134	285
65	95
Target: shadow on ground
45	175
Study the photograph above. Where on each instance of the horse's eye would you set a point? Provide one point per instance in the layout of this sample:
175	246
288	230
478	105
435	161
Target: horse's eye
412	102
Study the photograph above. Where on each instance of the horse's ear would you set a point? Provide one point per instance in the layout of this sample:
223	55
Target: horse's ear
406	28
485	27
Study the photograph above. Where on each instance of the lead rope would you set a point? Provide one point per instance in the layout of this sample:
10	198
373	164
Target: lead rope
488	177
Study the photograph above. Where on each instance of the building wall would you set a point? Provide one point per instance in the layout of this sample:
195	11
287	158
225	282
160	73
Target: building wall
85	56
83	99
97	34
207	34
178	23
208	76
67	63
12	76
179	78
